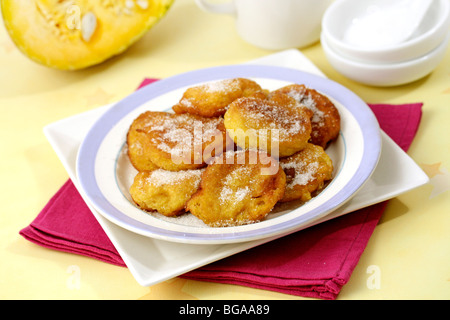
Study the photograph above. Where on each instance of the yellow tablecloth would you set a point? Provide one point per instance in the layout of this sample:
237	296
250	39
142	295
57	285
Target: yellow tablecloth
409	250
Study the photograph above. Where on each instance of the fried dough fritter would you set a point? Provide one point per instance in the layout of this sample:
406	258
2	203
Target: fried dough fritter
325	121
212	99
274	126
306	172
184	141
165	191
138	142
238	188
189	161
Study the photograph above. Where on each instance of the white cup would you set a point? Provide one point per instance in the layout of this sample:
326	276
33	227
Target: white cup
274	24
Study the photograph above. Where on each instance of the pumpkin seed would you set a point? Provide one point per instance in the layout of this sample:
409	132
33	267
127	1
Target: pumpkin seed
88	26
143	4
129	4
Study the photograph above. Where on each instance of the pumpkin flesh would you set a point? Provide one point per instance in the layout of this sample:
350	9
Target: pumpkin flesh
75	34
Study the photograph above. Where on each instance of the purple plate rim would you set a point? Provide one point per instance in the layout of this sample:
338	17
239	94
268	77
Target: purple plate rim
367	121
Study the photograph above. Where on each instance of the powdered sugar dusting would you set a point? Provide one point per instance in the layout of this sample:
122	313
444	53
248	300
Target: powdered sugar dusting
186	102
304	172
179	134
308	101
184	219
220	86
164	177
228	193
276	118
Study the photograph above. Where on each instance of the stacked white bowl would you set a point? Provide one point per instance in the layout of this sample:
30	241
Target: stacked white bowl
406	42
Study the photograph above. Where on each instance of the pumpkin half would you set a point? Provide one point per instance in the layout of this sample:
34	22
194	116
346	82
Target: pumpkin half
75	34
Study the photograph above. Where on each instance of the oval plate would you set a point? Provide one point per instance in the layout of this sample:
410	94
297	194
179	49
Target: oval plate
105	173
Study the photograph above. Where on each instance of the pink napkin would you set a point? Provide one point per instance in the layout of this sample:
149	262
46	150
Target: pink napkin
67	224
315	262
318	261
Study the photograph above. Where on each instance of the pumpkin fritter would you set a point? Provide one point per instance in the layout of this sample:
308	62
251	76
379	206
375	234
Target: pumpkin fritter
212	99
238	188
325	121
306	172
165	191
183	141
278	127
138	142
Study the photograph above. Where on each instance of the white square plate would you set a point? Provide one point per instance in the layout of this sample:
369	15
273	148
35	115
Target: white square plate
152	261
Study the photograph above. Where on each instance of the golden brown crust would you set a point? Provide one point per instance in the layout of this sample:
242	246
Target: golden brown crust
212	99
306	172
325	120
138	142
164	191
218	168
184	141
270	125
238	188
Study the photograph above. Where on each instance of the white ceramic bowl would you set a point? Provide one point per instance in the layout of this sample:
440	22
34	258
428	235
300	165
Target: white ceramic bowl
383	75
428	36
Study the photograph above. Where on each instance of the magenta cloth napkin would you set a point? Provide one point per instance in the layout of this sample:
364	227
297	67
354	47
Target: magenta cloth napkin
318	261
315	262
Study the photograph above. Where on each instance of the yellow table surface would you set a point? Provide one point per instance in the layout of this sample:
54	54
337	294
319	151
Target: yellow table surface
410	247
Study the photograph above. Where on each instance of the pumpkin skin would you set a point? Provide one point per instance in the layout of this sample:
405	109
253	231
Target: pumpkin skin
75	34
